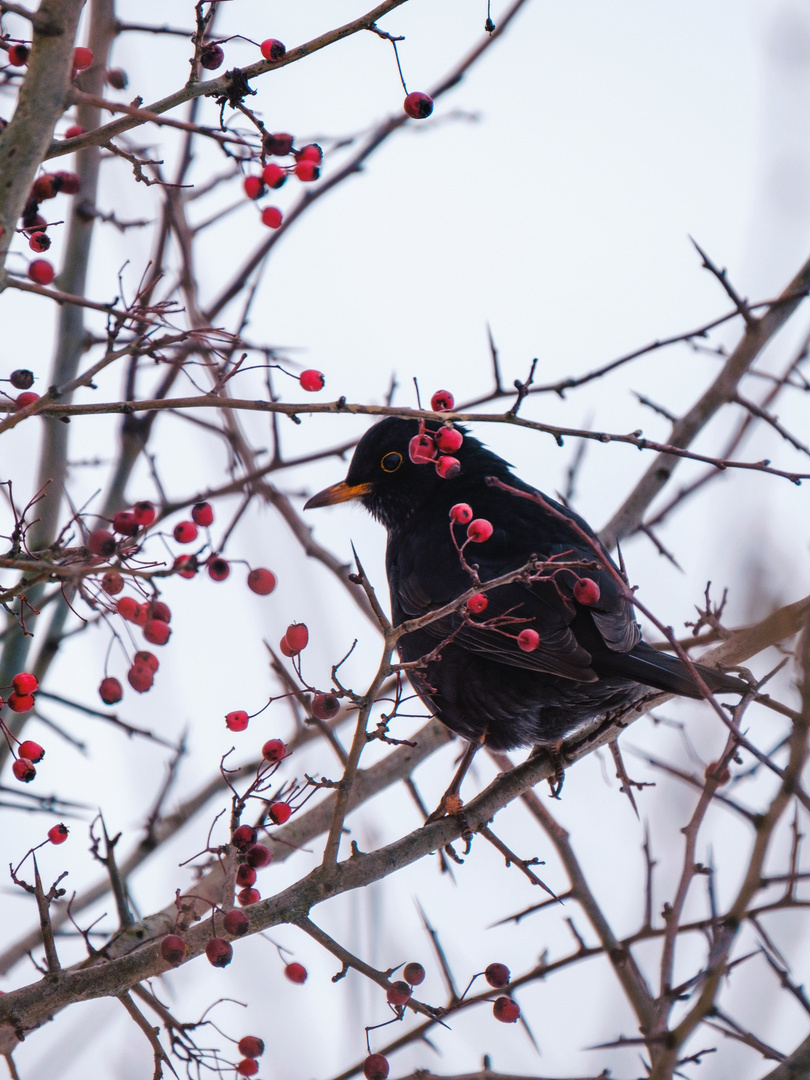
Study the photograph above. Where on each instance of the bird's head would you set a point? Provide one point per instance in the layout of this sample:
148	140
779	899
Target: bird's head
398	465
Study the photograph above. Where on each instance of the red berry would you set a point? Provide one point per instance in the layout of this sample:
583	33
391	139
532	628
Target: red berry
219	952
506	1010
18	55
186	565
245	875
101	542
26	399
497	975
244	837
280	812
296	973
246	897
307	171
147	659
144	512
310	152
375	1067
278	144
202	514
247	1067
461	513
70	182
31	750
82	58
311	380
24	770
448	439
447	467
127	607
479	530
297	637
418	105
117	78
211	56
284	648
413	974
157	631
259	856
173	949
21	379
236	720
478	603
274	175
254	187
422	449
528	640
271	217
46	186
236	923
251	1046
110	691
125	523
58	834
218	569
586	591
185	532
272	50
442	401
324	706
20	702
140	678
112	583
274	750
398	993
74	131
39	242
25	682
41	272
261	581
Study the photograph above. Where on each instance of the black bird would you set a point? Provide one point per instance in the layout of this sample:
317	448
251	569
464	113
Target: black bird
590	661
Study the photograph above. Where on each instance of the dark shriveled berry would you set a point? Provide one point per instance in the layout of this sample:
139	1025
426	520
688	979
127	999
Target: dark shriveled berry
219	952
398	993
506	1010
21	379
497	975
236	923
375	1067
414	974
173	949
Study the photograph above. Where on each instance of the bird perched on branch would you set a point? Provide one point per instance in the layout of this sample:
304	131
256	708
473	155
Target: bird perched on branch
527	662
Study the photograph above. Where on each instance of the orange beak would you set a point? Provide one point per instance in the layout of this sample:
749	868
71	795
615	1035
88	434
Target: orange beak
337	493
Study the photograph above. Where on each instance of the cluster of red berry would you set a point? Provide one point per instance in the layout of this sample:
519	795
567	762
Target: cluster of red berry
250	1047
20	700
23	379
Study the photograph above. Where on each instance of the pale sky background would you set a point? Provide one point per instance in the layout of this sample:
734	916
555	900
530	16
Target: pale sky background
551	197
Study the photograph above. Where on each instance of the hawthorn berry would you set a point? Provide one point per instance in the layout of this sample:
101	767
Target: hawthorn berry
296	973
101	542
261	581
156	609
211	56
219	952
497	975
125	523
31	750
448	439
147	659
127	607
280	812
25	399
202	513
307	171
21	379
418	105
58	834
506	1010
272	50
237	923
23	770
461	513
447	467
140	678
413	974
375	1067
46	186
274	750
311	380
18	55
25	682
110	690
310	152
157	631
244	836
245	875
422	449
478	603
253	187
272	217
528	640
297	636
278	144
82	58
41	271
479	530
236	720
324	706
247	1067
218	568
20	702
274	175
442	401
173	949
586	592
39	242
284	648
186	566
398	993
74	131
259	856
251	1046
246	897
117	78
70	182
112	583
144	512
185	532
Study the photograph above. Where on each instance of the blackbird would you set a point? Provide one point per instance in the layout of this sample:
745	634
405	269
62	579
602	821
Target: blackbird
483	675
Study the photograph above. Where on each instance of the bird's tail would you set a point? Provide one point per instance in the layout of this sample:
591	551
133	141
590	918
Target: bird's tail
647	665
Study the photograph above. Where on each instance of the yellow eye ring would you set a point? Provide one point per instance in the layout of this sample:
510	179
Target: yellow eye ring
391	462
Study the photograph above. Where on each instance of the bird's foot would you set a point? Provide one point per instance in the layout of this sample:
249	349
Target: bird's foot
553	750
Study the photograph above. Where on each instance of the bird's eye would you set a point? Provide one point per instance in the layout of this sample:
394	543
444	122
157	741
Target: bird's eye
391	462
